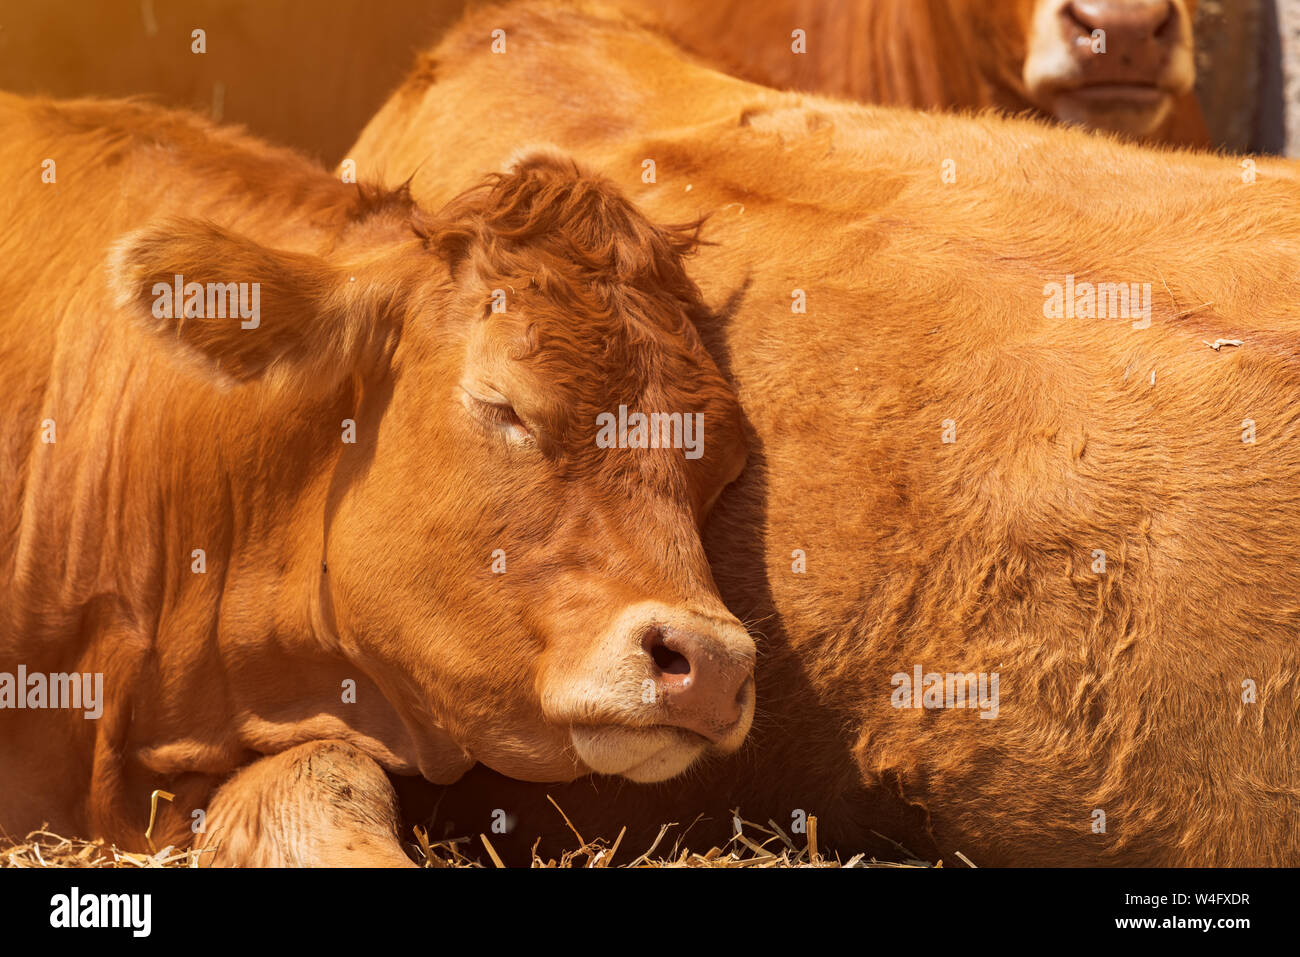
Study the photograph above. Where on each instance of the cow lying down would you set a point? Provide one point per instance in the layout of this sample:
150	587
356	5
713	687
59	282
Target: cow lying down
306	481
1019	528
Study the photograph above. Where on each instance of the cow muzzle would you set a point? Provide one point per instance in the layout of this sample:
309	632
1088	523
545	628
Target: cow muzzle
682	687
1115	65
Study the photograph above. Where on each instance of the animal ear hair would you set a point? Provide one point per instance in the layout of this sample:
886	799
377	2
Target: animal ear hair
246	311
453	241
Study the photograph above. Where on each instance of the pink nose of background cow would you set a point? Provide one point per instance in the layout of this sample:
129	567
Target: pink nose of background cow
701	683
1141	35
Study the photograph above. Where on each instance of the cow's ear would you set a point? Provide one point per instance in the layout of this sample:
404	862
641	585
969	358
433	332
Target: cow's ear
247	311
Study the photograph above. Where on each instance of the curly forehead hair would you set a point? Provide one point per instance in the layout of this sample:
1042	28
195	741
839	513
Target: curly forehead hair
570	240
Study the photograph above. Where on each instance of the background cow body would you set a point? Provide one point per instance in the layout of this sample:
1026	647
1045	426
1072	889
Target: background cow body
1125	688
269	530
311	80
1015	55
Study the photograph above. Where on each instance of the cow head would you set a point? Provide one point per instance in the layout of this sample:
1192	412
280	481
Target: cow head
1116	65
523	591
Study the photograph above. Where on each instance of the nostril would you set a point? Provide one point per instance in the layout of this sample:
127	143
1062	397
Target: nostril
693	673
1075	16
668	662
1168	22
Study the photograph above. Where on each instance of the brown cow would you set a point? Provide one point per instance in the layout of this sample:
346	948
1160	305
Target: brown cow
286	461
1121	65
952	470
289	72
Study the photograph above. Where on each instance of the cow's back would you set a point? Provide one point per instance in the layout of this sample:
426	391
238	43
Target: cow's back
1103	515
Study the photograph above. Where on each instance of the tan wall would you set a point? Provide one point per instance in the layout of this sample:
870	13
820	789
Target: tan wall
304	72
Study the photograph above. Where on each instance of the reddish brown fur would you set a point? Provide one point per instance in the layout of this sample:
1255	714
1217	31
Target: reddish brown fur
329	561
288	73
929	54
1120	692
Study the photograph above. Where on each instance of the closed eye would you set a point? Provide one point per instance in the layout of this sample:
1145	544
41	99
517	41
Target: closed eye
504	414
499	415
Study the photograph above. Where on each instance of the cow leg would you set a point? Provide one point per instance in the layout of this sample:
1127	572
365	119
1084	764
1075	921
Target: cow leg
320	804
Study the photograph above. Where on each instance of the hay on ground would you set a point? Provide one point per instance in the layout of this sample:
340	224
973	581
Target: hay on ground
750	845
